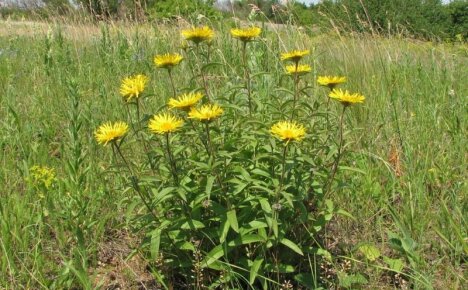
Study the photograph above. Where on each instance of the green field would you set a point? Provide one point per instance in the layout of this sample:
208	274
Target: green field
231	206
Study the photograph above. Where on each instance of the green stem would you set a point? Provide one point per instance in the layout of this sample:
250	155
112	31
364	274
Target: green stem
338	157
208	139
213	157
140	135
283	171
199	136
171	160
247	76
296	91
174	93
134	180
205	84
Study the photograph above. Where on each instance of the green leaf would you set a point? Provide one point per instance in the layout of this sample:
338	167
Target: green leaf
396	265
184	245
305	279
209	185
274	226
265	205
345	213
347	281
324	253
281	268
370	252
290	244
261	172
192	225
232	218
155	243
254	270
246	239
216	253
341	168
224	230
288	198
257	225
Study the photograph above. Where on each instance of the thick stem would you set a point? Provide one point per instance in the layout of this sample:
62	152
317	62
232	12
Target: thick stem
338	157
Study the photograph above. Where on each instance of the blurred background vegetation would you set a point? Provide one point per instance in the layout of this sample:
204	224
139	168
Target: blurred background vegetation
427	19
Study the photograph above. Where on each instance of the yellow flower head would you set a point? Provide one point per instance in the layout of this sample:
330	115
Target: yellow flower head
185	102
288	131
164	123
246	34
198	34
109	132
132	87
167	60
206	112
346	98
330	82
295	55
300	69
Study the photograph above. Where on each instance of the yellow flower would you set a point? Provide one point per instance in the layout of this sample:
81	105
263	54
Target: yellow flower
198	34
167	60
288	131
132	87
185	102
206	112
164	123
346	98
42	175
300	69
331	82
295	55
109	132
246	34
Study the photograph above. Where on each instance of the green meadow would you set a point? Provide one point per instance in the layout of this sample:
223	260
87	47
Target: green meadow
373	197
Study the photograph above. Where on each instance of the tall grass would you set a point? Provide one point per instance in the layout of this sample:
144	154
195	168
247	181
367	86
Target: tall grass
402	180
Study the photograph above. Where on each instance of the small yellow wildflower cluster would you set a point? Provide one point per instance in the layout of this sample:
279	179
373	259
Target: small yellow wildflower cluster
42	176
246	34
